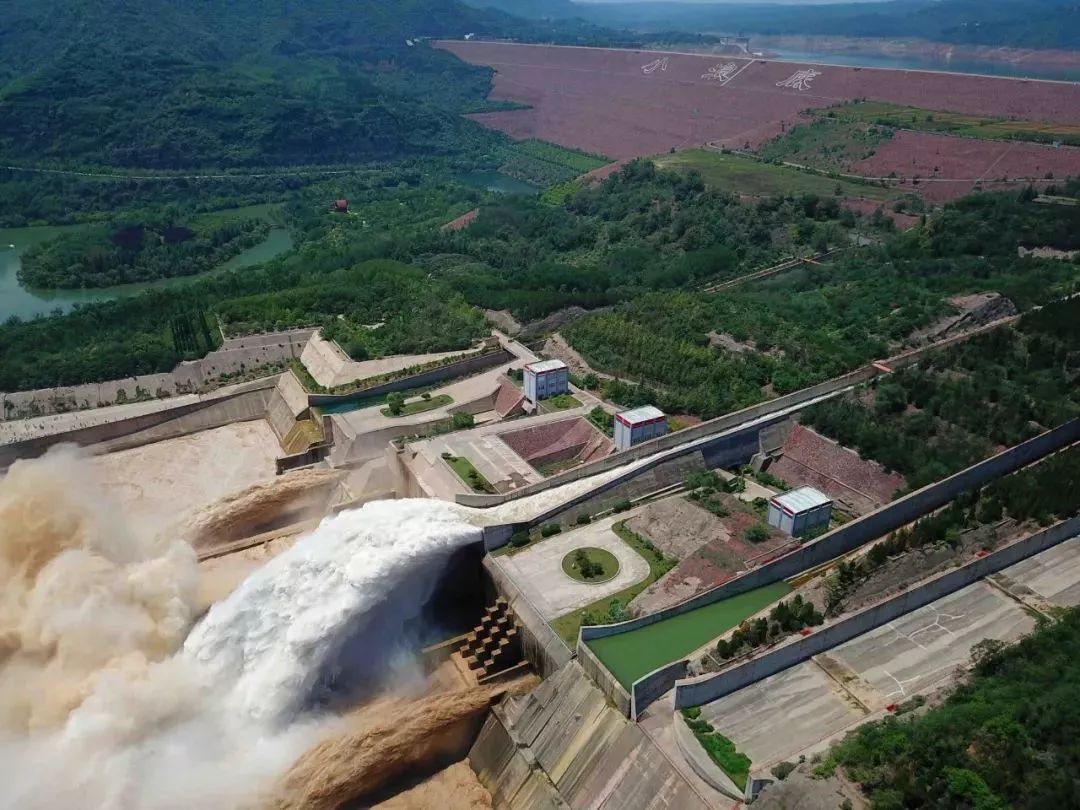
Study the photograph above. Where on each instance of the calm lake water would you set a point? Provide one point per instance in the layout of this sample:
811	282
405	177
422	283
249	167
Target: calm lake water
498	182
27	302
983	67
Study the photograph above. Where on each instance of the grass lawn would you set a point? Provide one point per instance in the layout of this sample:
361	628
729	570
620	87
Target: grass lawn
971	126
607	562
745	175
420	405
639	652
563	402
567	626
469	474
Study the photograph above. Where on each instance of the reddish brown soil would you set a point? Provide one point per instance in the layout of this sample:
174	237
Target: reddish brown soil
948	166
603	101
856	483
712	549
462	222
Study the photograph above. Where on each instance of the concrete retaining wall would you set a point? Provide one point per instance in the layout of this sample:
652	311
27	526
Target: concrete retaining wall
563	745
651	687
600	675
711	687
470	365
212	411
235	355
634	485
869	527
287	403
541	645
313	455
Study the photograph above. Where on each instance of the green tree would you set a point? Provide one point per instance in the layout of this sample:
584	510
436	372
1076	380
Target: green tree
395	402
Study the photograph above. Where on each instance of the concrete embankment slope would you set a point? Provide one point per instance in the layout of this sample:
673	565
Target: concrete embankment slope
238	403
563	745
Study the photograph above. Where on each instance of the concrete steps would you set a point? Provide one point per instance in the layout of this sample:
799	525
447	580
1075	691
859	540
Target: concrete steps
494	645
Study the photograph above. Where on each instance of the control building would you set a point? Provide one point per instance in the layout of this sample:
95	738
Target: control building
546	378
639	425
799	511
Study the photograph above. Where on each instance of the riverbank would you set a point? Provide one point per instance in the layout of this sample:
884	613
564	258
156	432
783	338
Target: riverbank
26	302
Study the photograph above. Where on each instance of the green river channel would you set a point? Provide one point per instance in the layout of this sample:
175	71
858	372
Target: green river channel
26	302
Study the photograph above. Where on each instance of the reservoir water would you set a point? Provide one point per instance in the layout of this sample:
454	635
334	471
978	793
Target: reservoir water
26	302
908	61
499	183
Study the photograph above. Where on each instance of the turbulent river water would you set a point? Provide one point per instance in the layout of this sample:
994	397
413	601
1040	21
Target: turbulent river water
108	701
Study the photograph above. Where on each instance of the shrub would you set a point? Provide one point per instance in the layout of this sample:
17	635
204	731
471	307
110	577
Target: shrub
550	530
757	533
736	484
463	420
782	770
702	479
584	518
519	538
395	401
621	506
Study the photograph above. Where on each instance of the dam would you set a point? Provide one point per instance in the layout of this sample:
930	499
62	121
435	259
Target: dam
356	592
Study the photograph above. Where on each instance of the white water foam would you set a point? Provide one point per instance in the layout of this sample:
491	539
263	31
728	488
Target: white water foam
216	723
356	580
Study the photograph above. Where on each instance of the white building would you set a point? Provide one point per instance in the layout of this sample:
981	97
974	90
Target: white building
639	425
800	510
546	378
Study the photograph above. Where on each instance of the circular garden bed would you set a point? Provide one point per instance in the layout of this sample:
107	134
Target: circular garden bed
592	566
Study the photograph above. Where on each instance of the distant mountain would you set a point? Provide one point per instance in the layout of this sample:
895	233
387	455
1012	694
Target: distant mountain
218	83
535	9
1013	23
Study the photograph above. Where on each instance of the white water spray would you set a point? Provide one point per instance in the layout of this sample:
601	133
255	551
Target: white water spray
354	582
214	724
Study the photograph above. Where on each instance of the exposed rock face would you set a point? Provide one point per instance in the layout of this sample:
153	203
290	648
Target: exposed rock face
972	312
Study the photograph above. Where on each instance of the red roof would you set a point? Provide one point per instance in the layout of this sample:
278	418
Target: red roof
341	205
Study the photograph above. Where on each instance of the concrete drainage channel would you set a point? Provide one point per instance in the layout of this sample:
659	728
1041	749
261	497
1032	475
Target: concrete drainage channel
644	690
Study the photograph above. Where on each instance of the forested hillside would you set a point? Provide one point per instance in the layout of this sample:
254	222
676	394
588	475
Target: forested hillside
238	83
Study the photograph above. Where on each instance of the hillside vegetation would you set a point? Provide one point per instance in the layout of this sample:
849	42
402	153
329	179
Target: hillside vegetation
237	83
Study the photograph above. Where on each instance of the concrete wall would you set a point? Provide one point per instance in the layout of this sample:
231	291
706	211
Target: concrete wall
728	421
541	645
470	365
235	355
640	482
869	527
651	687
287	403
606	682
563	745
214	410
676	440
707	688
